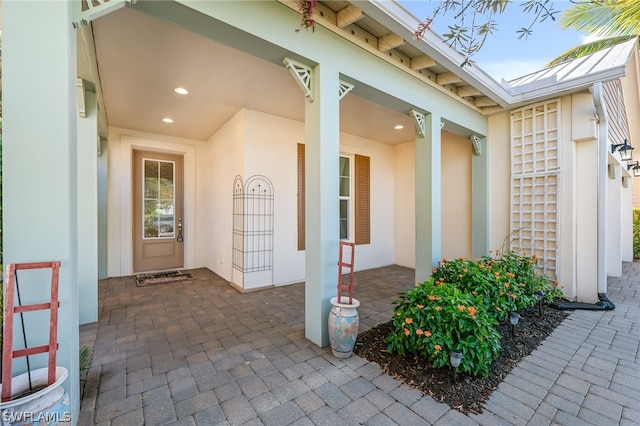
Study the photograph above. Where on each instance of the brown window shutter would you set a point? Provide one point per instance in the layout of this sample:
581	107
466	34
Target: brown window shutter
362	199
301	199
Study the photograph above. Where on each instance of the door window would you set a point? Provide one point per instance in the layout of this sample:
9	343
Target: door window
158	199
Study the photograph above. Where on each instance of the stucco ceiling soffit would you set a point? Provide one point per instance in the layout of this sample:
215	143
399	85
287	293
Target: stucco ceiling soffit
181	47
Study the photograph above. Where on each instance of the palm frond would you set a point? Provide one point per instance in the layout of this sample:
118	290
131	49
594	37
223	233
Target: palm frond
610	18
587	49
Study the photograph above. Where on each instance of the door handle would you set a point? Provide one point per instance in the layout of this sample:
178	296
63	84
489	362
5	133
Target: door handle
180	237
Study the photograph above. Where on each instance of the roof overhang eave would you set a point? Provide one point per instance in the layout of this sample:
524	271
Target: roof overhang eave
566	87
395	17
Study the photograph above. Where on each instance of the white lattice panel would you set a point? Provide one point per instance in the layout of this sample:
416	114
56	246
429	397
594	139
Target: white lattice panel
535	183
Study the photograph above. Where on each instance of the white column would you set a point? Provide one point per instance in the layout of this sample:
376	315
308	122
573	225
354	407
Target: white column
626	221
40	166
480	201
428	198
614	228
88	211
586	221
103	189
322	152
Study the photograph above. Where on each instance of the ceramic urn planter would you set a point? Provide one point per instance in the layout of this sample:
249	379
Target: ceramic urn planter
343	326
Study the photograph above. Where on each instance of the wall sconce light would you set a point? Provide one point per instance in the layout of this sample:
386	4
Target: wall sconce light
514	318
455	358
634	168
624	148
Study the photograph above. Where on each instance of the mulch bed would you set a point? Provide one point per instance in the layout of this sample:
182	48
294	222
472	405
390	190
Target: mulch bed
469	393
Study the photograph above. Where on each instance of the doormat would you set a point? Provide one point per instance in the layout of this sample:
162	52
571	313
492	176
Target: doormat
143	280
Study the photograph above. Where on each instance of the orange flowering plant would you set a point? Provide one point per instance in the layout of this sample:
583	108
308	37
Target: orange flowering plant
434	318
506	282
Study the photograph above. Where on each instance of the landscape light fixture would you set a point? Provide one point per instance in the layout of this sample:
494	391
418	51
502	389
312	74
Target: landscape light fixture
624	148
539	295
455	358
634	167
514	318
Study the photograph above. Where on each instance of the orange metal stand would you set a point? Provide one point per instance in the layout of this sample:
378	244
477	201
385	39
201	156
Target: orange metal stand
8	354
342	264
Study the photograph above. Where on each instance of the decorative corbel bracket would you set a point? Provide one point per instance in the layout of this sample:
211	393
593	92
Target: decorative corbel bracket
475	143
87	11
421	122
343	89
302	74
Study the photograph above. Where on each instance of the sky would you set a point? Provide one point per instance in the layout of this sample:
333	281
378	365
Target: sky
504	55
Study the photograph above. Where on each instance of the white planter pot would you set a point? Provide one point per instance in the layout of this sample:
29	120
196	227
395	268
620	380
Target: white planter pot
48	406
343	326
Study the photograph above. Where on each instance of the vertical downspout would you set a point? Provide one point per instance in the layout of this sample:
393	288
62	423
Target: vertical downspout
598	100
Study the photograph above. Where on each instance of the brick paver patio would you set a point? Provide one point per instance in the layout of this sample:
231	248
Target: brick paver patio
200	353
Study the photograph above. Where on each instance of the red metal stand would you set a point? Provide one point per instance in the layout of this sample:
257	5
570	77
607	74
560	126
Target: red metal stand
342	264
8	354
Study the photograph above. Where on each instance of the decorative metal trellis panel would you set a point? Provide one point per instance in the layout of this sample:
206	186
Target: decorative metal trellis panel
253	224
535	183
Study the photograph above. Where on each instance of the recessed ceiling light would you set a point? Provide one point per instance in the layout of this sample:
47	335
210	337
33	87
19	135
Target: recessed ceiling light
181	91
167	120
398	127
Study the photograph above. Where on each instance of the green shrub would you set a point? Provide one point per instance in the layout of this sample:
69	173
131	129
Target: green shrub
460	307
636	233
506	282
433	318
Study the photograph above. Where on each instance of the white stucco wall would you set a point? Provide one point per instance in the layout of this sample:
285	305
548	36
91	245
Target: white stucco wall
223	161
456	199
456	196
405	205
255	143
380	251
251	143
270	149
499	141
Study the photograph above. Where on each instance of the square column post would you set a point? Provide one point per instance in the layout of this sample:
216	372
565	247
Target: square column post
88	211
480	201
322	152
614	227
40	167
428	198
